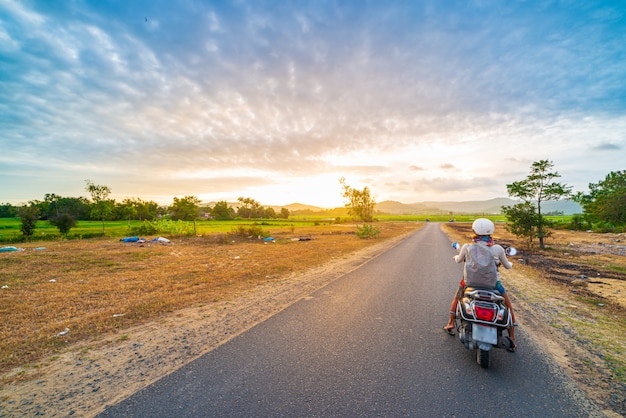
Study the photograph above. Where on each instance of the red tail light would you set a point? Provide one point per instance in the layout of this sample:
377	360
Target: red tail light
484	314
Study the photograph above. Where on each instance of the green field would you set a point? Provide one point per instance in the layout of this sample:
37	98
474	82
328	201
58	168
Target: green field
10	227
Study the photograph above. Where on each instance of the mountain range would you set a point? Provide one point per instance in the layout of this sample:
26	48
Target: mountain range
487	207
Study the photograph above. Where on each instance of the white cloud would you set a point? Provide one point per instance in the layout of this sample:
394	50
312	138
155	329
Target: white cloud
448	103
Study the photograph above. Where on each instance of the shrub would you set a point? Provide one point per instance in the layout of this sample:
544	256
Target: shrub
367	231
253	231
64	222
146	228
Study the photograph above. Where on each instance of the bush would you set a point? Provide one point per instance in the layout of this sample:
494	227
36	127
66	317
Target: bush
165	227
64	222
28	215
578	223
253	231
604	227
367	231
146	228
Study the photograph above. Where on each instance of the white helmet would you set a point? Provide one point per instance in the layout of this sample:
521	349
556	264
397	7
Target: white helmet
483	226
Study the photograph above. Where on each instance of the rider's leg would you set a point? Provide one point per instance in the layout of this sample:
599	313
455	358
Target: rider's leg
455	300
507	301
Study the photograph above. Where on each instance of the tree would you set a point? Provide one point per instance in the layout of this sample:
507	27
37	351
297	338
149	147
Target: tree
7	210
64	222
284	213
186	209
222	211
102	208
606	200
538	187
522	220
360	202
145	210
53	205
249	208
128	210
28	215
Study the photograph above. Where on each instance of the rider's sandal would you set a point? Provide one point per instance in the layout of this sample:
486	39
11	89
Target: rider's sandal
449	331
513	347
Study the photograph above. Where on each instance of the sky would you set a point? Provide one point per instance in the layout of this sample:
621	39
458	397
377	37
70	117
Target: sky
277	100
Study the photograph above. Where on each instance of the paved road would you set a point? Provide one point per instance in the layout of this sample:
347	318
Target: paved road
369	344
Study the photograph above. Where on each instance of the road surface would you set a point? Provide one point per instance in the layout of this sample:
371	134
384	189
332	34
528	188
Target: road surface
369	344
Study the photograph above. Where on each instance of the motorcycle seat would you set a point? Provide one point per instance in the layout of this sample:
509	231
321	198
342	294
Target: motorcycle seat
471	289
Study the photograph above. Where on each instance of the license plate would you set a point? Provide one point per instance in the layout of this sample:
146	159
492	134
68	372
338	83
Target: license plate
484	334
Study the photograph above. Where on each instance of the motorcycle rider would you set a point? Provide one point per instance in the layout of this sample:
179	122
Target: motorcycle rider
483	228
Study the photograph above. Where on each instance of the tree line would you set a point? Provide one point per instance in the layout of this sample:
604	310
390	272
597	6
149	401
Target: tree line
65	212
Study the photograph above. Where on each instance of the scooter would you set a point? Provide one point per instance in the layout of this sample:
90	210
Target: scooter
483	319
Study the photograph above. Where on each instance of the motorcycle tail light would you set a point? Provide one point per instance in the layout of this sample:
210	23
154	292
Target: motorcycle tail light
484	314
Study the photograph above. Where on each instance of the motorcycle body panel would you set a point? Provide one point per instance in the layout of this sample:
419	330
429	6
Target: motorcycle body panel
482	316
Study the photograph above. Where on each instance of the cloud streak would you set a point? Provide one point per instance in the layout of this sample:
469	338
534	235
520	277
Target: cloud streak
418	101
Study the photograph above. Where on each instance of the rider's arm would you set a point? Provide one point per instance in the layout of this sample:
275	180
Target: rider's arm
460	257
503	260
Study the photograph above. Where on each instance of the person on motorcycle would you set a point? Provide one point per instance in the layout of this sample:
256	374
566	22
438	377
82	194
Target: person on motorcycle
483	228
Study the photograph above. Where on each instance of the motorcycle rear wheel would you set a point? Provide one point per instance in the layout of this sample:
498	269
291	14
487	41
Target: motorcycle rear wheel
482	357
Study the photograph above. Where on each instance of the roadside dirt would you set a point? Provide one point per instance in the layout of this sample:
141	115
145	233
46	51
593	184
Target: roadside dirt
87	377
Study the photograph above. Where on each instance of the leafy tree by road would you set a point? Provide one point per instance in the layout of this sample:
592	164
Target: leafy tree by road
360	202
539	186
606	200
522	220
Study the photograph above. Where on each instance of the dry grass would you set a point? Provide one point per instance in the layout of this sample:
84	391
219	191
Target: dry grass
94	287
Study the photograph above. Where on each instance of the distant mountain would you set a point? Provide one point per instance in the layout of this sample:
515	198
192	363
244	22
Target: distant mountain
397	208
568	207
299	206
491	206
487	207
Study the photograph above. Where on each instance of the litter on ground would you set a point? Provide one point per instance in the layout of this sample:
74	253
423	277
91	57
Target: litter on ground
65	331
10	249
142	240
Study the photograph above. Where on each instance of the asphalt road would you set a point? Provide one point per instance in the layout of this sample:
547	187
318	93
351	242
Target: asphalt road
369	344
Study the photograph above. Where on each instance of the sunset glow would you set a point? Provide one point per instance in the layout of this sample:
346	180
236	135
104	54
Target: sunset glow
423	100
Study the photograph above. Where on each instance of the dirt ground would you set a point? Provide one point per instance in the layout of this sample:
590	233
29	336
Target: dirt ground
86	378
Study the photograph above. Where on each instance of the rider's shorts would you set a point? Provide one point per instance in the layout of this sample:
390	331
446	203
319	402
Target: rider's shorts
498	287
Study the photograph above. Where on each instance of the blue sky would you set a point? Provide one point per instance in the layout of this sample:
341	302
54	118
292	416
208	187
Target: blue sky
277	100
